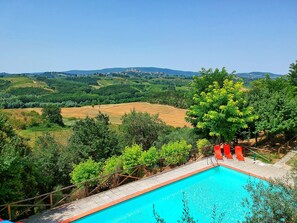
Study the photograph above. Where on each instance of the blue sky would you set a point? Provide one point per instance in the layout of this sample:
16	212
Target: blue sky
57	35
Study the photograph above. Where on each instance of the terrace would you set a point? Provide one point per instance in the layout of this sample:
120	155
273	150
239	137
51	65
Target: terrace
116	195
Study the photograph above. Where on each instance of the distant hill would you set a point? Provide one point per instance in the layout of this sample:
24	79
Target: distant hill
250	75
142	69
256	75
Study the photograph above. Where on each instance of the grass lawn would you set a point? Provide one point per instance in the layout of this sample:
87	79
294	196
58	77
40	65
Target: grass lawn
61	134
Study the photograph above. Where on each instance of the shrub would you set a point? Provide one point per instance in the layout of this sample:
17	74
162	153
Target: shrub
204	146
112	165
175	152
150	157
131	157
86	170
176	134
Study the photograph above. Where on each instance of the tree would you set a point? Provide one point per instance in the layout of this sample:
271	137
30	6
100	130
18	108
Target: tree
17	180
51	164
275	103
178	134
53	114
274	201
141	128
186	215
93	138
207	77
221	111
293	74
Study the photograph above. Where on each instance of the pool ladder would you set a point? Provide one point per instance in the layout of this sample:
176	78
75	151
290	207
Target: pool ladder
211	162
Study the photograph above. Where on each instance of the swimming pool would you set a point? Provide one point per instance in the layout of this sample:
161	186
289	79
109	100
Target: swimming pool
219	186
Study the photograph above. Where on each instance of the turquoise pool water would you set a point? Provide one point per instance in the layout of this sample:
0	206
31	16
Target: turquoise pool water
218	186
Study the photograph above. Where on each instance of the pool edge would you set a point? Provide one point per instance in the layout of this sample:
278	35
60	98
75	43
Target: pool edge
138	193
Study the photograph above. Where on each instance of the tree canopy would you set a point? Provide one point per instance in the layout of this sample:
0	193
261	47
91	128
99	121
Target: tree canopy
141	128
275	103
16	176
221	111
53	114
93	138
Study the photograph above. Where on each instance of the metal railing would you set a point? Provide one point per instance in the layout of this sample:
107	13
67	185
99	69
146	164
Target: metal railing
258	154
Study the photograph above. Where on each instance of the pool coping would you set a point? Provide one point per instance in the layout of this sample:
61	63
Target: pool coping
141	192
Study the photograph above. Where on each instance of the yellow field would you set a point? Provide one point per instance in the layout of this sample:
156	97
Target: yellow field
170	115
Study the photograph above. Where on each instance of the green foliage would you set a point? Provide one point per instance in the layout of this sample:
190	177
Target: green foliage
70	91
53	114
150	157
204	146
51	165
271	202
28	91
293	74
208	77
275	104
141	128
17	180
221	111
112	165
176	134
131	157
175	152
4	84
176	98
93	138
84	171
186	216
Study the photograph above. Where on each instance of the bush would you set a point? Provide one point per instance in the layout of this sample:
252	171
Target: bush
140	128
177	134
131	157
175	152
112	165
85	171
150	157
204	147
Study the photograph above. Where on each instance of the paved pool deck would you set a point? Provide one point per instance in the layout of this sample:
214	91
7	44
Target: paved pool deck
105	199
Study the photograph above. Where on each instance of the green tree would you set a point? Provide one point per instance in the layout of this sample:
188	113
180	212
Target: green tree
274	201
293	74
53	114
141	128
275	104
177	134
187	217
208	77
16	168
51	163
93	138
221	111
86	170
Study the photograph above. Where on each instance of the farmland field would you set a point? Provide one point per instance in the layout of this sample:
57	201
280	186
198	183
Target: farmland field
170	115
